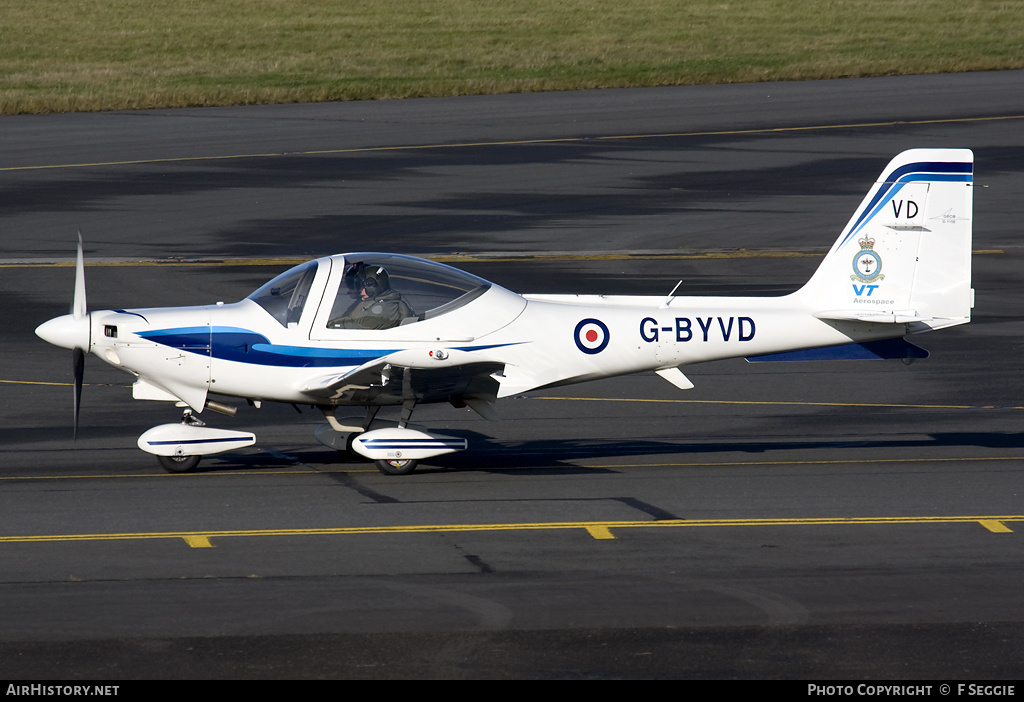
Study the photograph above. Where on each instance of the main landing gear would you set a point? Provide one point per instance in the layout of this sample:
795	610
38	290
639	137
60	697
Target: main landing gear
396	448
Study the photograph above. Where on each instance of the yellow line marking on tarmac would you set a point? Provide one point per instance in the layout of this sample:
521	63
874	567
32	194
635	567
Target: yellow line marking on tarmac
536	256
351	469
642	256
598	530
996	526
142	263
816	462
182	476
522	142
773	403
46	382
768	403
32	382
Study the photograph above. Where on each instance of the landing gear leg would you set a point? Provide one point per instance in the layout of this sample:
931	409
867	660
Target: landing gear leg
398	465
407	408
371	414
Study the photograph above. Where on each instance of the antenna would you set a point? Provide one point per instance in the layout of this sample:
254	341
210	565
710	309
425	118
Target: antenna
671	295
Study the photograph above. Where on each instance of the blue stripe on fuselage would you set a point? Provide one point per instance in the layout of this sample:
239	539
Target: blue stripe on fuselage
244	346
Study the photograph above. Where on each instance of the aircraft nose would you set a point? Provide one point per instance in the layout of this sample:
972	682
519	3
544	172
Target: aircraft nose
69	332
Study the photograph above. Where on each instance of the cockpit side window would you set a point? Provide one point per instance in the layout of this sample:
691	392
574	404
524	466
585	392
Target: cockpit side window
366	300
381	291
284	297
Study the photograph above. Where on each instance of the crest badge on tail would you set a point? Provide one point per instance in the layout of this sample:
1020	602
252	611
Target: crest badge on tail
867	264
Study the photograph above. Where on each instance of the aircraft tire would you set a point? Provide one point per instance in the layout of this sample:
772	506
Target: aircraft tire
178	464
395	466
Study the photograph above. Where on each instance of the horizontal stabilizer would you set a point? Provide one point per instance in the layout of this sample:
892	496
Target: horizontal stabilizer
867	351
676	377
894	317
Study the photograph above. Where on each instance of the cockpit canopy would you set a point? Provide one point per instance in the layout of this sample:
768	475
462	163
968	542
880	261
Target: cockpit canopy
426	289
284	297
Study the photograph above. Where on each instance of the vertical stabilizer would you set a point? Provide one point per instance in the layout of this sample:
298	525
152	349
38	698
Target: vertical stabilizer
905	256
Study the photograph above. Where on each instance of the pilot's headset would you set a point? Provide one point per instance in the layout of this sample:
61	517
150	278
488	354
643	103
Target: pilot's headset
374	279
353	278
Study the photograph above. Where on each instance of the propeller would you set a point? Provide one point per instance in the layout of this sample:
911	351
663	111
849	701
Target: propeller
73	331
79	312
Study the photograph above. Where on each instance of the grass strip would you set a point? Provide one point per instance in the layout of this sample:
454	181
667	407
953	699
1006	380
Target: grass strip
84	55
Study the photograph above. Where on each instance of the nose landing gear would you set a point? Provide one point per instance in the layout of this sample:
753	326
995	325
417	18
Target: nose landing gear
179	447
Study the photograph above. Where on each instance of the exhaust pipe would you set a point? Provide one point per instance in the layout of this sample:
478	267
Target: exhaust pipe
221	408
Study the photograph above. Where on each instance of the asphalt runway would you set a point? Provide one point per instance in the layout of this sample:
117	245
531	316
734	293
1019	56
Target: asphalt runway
858	520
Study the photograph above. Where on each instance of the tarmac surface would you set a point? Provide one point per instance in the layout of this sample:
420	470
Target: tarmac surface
857	520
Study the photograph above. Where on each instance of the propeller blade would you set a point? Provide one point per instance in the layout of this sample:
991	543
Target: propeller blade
79	308
78	364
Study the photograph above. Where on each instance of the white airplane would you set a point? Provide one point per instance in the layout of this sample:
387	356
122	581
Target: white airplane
376	329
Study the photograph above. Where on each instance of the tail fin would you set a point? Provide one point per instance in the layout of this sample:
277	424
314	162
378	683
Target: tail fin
905	256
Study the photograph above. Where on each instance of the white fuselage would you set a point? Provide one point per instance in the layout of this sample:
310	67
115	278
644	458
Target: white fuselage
235	350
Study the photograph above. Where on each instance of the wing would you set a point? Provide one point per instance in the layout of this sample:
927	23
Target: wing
397	378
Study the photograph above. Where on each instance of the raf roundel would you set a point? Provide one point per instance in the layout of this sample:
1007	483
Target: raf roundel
591	336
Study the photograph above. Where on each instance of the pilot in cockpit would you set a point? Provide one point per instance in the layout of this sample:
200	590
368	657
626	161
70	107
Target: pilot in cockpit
377	305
